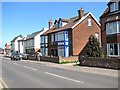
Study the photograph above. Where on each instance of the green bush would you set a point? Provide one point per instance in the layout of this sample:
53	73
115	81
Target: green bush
93	47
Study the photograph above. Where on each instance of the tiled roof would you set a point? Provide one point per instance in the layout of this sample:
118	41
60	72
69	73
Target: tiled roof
71	22
105	12
33	35
15	38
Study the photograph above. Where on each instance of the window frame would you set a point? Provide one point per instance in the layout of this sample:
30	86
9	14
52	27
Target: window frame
89	21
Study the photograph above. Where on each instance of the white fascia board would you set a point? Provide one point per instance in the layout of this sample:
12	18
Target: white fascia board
83	18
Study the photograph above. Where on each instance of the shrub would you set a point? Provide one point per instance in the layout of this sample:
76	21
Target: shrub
93	47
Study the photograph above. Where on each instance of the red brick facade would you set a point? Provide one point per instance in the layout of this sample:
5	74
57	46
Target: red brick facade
81	34
108	17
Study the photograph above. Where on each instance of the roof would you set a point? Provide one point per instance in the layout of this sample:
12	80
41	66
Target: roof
15	38
105	12
72	23
33	35
1	49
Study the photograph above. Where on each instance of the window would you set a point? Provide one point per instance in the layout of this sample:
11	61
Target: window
46	51
32	42
61	36
42	39
89	22
42	50
66	35
113	49
97	35
113	27
114	7
60	24
61	51
67	51
56	25
52	37
56	37
46	39
119	26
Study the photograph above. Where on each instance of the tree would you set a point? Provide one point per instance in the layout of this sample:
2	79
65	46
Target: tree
93	47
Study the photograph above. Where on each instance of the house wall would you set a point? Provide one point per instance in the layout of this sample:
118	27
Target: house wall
16	44
21	47
81	33
115	38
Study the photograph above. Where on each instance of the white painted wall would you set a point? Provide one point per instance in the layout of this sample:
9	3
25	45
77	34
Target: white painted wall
37	39
21	47
16	44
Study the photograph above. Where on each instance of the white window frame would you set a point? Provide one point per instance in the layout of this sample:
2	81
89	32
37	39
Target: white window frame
108	27
114	6
89	22
108	50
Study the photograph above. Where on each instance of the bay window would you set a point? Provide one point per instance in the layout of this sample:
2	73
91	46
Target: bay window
46	39
114	7
113	49
61	36
61	51
52	37
56	37
42	39
113	27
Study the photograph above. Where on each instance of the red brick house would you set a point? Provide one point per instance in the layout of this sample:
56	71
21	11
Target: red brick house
68	37
110	29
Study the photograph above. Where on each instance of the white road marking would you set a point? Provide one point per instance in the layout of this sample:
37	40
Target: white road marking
64	77
30	68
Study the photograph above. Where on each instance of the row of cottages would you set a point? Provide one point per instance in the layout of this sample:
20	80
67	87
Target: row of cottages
110	29
68	37
28	44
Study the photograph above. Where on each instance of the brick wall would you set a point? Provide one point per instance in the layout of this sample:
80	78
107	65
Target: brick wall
81	35
100	62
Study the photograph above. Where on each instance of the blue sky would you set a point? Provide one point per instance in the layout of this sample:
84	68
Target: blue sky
28	17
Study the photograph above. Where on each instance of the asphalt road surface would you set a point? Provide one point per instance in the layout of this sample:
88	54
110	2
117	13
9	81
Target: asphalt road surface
18	74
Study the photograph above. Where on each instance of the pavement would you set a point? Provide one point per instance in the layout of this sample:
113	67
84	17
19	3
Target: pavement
70	66
33	74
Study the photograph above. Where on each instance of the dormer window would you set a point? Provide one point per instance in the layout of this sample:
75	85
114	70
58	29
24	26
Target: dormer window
60	24
56	25
114	7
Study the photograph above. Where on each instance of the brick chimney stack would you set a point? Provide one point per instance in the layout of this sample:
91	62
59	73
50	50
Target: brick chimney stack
80	13
50	24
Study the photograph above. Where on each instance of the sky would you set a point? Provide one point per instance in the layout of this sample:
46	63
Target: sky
28	17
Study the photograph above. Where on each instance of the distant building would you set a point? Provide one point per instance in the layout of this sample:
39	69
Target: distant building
1	51
110	25
7	49
32	42
68	37
21	44
14	43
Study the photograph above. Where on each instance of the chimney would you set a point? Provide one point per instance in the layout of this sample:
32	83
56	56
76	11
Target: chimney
80	13
20	35
50	24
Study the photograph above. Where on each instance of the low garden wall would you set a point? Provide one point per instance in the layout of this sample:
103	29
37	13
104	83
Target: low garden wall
100	62
31	57
58	59
49	59
68	59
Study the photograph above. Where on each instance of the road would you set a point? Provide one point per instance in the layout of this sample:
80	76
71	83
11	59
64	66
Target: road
18	74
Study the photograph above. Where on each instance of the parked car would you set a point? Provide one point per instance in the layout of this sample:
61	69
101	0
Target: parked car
16	56
24	56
